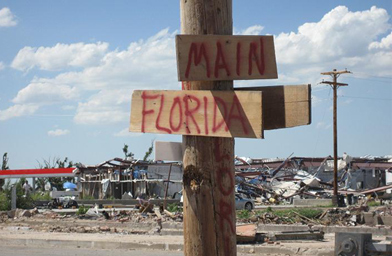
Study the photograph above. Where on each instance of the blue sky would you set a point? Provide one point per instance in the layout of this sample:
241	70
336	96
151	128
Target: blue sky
68	68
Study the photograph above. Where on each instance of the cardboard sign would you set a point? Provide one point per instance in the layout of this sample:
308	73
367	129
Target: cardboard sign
200	113
224	57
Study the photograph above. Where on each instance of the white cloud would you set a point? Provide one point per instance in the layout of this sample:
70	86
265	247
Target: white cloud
253	30
126	133
2	66
7	18
45	93
60	56
103	85
340	33
68	107
384	44
18	110
58	132
104	90
107	106
341	37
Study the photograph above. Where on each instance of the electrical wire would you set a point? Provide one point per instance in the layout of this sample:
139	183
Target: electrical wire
366	98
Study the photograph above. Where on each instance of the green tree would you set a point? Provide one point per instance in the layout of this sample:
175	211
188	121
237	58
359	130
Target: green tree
148	152
56	182
126	153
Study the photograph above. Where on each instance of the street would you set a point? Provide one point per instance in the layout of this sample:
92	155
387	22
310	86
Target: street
7	250
42	251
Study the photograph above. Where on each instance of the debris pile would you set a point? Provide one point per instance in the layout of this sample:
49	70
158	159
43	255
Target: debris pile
282	181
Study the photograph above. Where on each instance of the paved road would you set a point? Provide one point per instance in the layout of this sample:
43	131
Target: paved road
39	251
6	250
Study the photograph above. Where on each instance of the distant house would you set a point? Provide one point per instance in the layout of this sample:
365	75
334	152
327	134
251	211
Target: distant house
118	178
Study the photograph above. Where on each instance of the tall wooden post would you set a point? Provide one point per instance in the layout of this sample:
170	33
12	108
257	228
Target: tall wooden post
335	140
209	206
335	85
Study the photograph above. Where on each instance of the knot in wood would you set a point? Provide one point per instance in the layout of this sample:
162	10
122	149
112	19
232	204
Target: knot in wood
192	178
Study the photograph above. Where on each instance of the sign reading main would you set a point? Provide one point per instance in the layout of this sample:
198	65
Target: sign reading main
201	113
225	57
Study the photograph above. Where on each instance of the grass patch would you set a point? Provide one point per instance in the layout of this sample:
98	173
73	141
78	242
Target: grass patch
82	210
243	214
373	203
44	196
285	215
172	207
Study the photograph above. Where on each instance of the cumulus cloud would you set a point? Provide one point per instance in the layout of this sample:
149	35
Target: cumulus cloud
59	56
18	110
7	18
102	87
384	44
340	37
45	93
105	107
253	30
2	66
126	133
58	132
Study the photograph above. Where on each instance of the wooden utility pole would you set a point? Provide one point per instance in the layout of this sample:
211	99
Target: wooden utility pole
335	85
209	206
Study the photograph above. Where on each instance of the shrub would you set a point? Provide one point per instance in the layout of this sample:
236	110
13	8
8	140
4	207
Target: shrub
5	204
41	196
82	210
243	214
172	207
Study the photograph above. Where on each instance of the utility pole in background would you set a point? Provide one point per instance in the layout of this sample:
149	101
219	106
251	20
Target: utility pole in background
335	85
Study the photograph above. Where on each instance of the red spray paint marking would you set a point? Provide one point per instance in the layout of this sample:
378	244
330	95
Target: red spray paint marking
238	66
160	128
236	104
197	58
205	115
227	172
220	58
253	52
185	85
216	127
176	101
225	213
189	113
217	150
144	111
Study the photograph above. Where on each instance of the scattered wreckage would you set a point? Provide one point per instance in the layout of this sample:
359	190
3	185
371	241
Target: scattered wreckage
281	181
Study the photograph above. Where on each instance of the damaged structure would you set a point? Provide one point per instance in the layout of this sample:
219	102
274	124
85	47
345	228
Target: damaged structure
122	178
278	180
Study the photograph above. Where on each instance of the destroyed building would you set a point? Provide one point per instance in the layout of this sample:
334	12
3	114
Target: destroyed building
306	177
122	178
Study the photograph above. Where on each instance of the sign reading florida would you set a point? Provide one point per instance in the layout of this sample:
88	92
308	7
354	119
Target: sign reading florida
203	113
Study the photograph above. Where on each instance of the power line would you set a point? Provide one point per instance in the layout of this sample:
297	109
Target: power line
374	80
368	75
366	98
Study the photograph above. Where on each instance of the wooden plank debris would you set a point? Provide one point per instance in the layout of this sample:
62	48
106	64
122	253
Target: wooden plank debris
284	106
246	233
225	57
200	113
